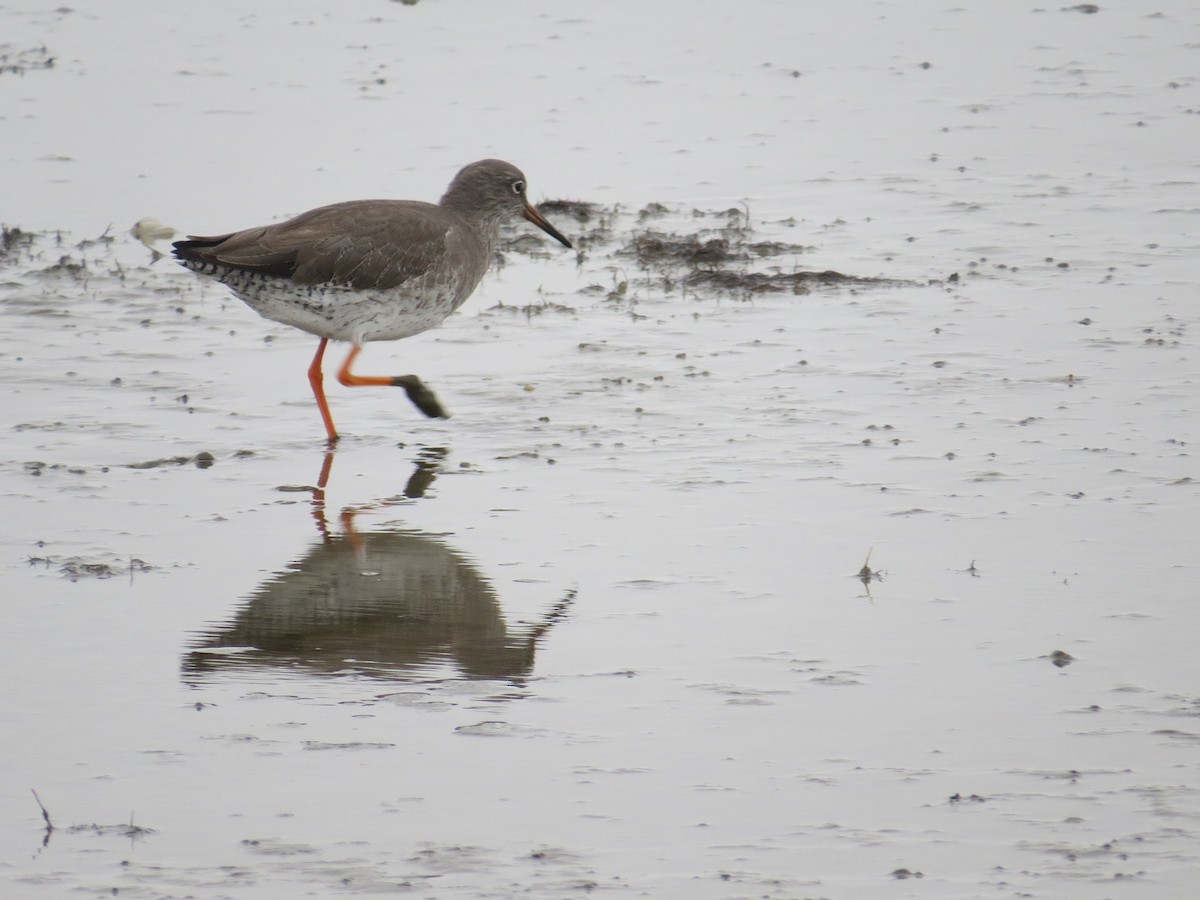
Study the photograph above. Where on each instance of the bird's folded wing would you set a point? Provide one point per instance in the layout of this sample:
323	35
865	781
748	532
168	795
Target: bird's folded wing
362	244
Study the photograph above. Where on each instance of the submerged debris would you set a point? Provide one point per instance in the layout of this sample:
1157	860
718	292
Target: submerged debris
652	211
866	574
14	241
77	568
18	62
722	258
720	254
131	831
654	248
1061	658
202	460
47	255
580	210
799	282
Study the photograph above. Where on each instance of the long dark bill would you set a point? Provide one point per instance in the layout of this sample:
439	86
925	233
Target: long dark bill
539	220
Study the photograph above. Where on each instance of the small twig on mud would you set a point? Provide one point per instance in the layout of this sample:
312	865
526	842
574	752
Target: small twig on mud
866	574
45	816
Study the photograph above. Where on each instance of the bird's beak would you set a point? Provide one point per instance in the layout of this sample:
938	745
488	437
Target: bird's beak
531	213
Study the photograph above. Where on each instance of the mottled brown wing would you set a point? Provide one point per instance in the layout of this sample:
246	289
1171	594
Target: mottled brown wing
363	244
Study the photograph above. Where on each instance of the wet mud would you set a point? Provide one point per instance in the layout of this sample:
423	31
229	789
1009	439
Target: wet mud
821	526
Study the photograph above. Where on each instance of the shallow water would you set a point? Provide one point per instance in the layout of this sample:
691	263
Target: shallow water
879	590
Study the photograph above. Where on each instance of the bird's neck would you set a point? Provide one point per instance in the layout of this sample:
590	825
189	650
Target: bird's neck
487	227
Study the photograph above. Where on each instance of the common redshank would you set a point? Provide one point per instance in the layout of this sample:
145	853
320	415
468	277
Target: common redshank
370	270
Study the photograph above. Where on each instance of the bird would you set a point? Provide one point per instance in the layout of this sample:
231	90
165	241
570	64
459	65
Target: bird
370	270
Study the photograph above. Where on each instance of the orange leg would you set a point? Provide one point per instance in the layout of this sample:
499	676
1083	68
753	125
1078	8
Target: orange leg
422	397
317	379
318	496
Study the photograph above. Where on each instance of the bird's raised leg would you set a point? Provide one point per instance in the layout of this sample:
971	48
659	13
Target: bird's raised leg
422	397
317	379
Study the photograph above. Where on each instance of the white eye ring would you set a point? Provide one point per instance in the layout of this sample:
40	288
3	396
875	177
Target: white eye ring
518	187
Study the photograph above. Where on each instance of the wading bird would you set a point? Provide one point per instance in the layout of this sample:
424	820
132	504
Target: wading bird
370	270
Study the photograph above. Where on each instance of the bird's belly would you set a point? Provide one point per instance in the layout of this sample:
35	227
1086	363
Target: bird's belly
344	314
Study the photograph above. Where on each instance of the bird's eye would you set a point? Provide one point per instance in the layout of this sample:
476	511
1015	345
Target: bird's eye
518	187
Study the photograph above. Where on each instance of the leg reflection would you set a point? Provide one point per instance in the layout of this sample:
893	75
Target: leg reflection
318	496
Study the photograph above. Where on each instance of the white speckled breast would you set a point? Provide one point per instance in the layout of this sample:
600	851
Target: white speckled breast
344	314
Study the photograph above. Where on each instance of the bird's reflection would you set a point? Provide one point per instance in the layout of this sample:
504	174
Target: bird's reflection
388	603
